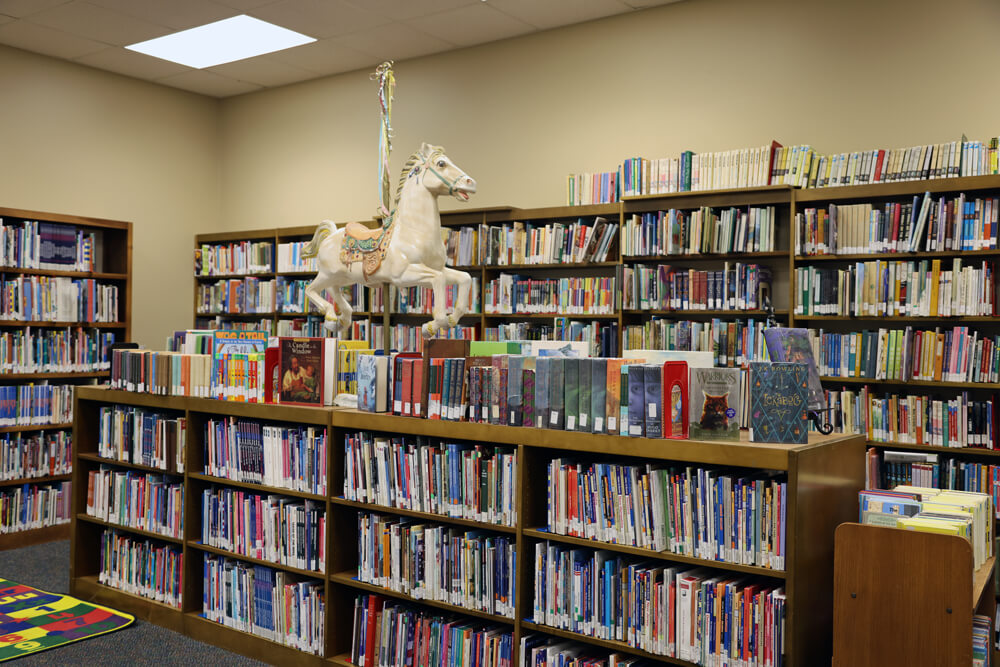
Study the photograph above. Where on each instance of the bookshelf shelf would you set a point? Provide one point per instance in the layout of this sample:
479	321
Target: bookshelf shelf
975	451
240	315
200	546
67	244
128	529
903	256
140	607
36	427
898	189
498	268
611	645
918	383
125	464
34	480
706	257
55	376
896	318
349	579
549	316
707	313
234	276
342	660
542	534
430	516
427	316
210	479
253	646
784	193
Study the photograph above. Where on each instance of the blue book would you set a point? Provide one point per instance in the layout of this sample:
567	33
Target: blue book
653	390
779	409
636	400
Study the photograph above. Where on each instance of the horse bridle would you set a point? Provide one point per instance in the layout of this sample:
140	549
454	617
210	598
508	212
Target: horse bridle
428	165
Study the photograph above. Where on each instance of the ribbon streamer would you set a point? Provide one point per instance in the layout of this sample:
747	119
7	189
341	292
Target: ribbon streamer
386	82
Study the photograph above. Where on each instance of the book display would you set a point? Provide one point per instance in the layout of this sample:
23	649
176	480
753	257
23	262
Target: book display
462	532
65	298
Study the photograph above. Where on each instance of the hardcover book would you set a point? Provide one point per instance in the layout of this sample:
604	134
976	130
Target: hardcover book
542	378
528	392
373	388
653	375
571	384
779	395
675	399
300	369
557	393
714	398
598	393
786	344
613	395
636	400
515	387
583	413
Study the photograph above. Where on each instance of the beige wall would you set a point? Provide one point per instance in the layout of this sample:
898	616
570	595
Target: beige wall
705	75
81	141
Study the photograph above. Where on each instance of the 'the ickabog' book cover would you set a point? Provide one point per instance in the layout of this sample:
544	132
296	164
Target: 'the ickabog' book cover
779	409
714	398
792	345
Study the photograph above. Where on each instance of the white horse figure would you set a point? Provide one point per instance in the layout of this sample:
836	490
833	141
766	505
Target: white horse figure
407	250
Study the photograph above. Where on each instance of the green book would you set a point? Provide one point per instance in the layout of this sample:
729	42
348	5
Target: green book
623	401
598	394
571	384
586	369
487	348
557	394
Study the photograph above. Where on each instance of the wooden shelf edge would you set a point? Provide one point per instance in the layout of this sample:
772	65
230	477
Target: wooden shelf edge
222	481
603	643
96	458
650	553
138	531
36	480
36	427
430	516
89	589
201	546
916	383
25	538
254	646
981	580
932	448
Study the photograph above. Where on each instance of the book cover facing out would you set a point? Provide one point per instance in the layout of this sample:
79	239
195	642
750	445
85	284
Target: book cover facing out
366	382
636	401
653	375
714	398
675	399
786	344
301	370
779	409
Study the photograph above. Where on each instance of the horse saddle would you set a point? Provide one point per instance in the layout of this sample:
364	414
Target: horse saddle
362	233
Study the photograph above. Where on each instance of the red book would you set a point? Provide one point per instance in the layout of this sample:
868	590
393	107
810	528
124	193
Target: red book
438	348
878	166
772	154
417	384
406	383
675	398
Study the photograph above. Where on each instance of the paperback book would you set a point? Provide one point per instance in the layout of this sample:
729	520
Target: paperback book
714	398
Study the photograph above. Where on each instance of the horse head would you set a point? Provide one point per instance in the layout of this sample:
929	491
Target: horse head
440	175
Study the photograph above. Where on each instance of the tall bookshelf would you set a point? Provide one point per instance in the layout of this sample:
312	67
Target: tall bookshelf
112	261
823	478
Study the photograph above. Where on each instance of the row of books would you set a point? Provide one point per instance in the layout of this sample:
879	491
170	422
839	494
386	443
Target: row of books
314	327
897	288
41	454
601	336
272	528
264	602
702	512
418	299
934	472
57	299
132	499
925	225
135	435
237	296
956	355
701	231
466	568
162	373
571	242
409	337
291	298
929	161
914	419
32	506
473	482
143	568
390	634
694	614
737	286
290	259
731	342
721	170
29	244
982	645
512	293
69	350
238	257
928	508
546	651
36	404
219	322
252	452
592	188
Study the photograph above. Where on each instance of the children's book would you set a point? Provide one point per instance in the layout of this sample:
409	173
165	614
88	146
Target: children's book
714	397
792	345
779	410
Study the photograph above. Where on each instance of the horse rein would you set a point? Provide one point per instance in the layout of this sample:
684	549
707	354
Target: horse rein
451	185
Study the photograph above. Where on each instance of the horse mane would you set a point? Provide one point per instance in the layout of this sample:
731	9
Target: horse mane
411	162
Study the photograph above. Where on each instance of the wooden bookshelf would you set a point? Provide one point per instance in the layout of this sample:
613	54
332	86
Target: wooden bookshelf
113	266
823	478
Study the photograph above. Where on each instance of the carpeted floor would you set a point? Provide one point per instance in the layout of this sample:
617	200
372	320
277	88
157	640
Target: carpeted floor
46	566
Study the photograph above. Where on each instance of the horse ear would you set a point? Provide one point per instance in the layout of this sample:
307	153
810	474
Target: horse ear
425	149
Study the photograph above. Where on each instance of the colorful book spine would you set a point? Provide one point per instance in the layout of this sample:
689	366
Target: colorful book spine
142	567
240	257
136	500
40	454
31	506
134	435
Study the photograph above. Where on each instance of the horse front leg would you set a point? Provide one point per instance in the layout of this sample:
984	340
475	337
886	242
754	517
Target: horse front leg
421	274
314	294
464	282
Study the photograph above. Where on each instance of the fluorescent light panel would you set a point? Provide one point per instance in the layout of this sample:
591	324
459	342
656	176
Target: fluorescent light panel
224	41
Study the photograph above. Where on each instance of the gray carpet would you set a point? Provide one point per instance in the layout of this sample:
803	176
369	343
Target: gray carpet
46	566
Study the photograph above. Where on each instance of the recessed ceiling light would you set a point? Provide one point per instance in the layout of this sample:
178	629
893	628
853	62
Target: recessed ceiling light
221	42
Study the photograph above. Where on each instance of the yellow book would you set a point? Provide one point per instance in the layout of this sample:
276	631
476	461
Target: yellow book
935	279
938	526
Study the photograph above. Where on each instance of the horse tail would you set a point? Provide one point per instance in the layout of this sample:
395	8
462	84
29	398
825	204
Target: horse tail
324	229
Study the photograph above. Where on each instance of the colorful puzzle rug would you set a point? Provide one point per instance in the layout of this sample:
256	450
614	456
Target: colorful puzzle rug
32	620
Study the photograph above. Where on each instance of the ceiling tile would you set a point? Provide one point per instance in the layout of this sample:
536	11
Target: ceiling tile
21	8
319	18
39	39
395	41
475	24
553	13
178	14
131	63
98	23
263	71
401	10
208	83
327	56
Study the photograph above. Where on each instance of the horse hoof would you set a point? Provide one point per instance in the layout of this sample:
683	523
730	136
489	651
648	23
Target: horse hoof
452	322
428	330
331	325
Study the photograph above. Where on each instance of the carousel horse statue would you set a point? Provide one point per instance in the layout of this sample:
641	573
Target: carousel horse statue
406	250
